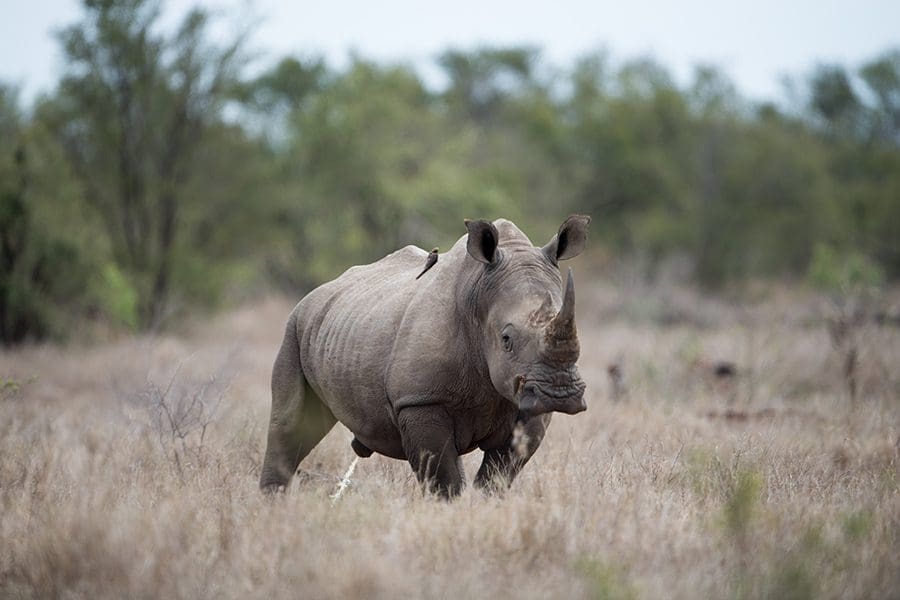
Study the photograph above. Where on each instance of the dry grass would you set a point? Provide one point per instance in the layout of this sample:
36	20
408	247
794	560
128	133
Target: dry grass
774	485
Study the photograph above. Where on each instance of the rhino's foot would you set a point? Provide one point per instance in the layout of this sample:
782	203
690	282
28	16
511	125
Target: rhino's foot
273	486
361	449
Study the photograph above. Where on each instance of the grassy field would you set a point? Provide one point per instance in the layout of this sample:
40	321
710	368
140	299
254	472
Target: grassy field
129	469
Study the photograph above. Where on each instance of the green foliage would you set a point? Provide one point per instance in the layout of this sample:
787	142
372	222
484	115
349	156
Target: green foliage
40	269
857	525
843	272
793	581
10	388
605	582
834	99
481	81
116	297
741	504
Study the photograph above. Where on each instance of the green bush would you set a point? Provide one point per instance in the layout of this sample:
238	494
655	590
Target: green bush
835	271
116	298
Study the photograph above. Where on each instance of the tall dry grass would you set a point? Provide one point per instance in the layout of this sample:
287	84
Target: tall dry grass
770	485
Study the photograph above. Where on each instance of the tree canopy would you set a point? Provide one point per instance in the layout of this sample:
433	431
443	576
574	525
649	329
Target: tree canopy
158	175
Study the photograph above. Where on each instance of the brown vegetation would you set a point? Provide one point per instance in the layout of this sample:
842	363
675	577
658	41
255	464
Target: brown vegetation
123	475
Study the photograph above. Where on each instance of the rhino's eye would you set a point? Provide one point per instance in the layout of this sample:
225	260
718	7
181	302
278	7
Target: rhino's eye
507	342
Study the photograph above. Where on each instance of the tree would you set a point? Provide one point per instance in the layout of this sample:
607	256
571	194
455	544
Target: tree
354	148
131	112
834	101
481	80
882	76
273	96
42	273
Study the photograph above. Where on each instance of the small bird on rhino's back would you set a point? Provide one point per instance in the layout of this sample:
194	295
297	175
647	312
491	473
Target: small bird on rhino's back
430	261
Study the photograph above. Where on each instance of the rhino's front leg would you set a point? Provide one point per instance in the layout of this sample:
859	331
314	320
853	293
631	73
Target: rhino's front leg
501	465
429	444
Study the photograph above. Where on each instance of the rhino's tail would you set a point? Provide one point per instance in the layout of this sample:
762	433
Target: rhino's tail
298	419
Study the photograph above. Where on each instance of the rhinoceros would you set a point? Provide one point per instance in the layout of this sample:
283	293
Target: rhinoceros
476	354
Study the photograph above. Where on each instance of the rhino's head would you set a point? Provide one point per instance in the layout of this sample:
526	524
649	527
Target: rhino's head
527	319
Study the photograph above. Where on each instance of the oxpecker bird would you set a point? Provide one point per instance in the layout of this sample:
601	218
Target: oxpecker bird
430	261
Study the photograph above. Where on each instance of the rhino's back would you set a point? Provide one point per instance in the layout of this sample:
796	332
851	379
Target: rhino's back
347	330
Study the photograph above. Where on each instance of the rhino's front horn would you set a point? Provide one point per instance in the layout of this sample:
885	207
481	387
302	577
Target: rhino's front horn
561	336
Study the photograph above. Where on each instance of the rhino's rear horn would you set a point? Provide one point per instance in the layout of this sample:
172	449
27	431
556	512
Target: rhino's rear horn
561	336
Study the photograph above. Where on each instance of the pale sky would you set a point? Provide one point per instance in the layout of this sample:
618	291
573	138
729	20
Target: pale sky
755	43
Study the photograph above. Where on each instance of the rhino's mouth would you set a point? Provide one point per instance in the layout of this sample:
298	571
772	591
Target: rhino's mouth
562	392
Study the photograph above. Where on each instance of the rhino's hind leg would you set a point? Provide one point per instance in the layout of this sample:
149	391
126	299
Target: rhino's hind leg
299	419
430	447
501	465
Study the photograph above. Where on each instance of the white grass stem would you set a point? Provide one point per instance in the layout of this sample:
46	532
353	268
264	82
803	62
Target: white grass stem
345	481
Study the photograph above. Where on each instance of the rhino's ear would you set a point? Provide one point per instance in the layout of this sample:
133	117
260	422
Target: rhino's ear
570	240
483	239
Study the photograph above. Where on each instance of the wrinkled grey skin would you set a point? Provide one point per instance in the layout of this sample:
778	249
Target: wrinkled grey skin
427	370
